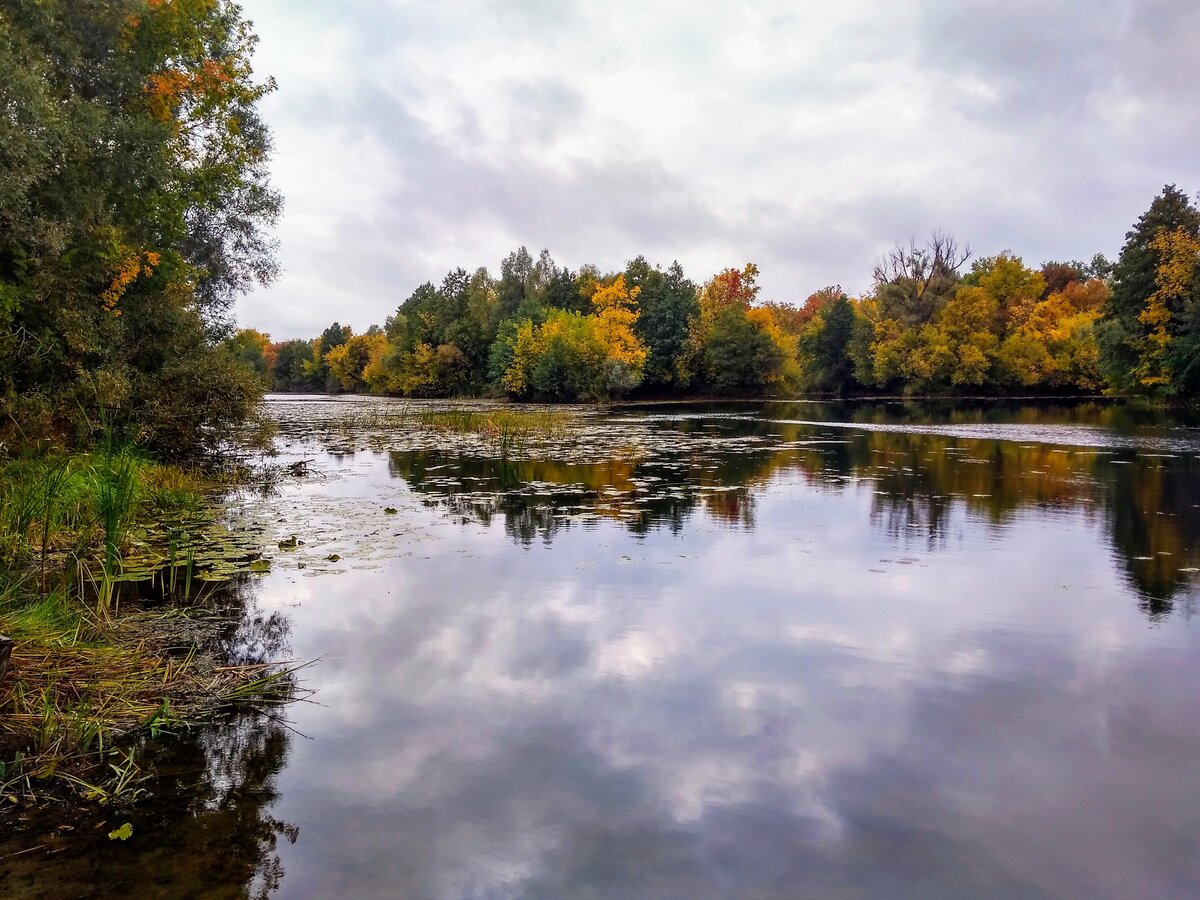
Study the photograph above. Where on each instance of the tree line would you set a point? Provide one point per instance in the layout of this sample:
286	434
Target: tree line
936	321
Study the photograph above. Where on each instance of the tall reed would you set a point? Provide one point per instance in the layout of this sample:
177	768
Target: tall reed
116	501
52	488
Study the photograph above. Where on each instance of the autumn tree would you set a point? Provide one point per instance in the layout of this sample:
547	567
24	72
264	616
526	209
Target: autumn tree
730	289
317	369
913	283
348	362
569	356
134	206
560	359
734	346
814	303
1150	330
615	315
1013	286
253	349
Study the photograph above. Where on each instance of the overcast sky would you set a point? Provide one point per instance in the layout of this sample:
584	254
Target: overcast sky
416	137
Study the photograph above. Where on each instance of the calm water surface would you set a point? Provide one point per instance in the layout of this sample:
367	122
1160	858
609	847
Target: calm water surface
766	651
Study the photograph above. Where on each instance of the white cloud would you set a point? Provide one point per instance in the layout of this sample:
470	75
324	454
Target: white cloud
413	138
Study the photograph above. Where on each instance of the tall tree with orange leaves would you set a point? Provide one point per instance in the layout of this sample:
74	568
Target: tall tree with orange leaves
134	207
735	347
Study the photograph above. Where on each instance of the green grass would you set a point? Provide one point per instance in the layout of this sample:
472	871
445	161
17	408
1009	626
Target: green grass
82	683
115	502
85	505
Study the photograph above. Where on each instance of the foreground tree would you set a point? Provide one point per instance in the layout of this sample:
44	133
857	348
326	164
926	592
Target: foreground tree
134	206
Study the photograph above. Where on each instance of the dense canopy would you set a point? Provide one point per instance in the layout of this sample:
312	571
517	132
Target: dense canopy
938	320
134	206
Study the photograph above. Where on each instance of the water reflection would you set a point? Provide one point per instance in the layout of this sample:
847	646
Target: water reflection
206	830
205	827
1147	501
793	708
729	655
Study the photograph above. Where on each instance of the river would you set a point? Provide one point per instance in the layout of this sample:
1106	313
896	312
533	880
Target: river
699	651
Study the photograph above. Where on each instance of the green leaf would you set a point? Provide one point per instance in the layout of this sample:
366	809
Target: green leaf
124	833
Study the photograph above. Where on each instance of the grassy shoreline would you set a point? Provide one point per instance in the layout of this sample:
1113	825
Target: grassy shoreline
110	583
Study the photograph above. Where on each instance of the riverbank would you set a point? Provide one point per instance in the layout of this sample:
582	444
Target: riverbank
117	582
710	399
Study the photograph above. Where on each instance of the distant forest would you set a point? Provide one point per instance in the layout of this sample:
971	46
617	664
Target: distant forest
936	321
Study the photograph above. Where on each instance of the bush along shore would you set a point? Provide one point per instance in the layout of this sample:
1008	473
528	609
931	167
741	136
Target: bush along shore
118	589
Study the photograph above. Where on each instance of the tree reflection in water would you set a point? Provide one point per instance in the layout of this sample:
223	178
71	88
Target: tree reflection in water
205	827
1147	502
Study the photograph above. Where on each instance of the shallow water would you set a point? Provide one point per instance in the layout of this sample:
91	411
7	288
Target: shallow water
793	649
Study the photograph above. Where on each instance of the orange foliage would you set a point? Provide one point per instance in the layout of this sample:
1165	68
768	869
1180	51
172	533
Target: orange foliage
128	269
167	89
727	289
1086	296
813	305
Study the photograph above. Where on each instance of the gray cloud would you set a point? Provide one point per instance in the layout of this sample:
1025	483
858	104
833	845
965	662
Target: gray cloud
415	138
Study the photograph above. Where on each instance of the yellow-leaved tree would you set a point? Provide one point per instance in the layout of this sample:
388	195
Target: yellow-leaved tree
571	356
1178	258
350	361
615	314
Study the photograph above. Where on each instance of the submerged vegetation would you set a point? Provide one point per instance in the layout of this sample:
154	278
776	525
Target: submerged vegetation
504	425
935	321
